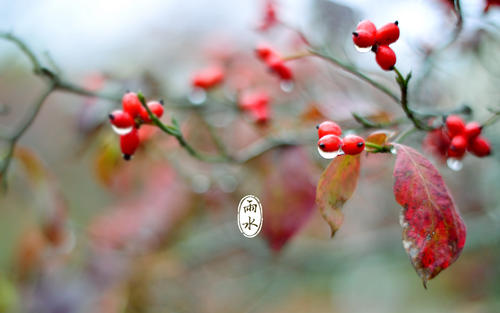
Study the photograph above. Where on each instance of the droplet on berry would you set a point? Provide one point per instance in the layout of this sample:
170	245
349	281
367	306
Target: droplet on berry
394	150
121	131
329	155
197	96
454	164
287	85
363	50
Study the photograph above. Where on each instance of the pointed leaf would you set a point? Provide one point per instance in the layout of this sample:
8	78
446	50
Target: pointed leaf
433	231
335	187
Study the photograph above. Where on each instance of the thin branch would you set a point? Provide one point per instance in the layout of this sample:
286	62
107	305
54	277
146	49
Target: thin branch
23	127
351	69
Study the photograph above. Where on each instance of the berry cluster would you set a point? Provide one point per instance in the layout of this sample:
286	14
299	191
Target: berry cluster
465	137
274	62
329	139
367	35
128	120
208	77
257	104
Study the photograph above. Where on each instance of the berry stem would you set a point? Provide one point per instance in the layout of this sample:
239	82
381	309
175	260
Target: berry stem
492	119
377	148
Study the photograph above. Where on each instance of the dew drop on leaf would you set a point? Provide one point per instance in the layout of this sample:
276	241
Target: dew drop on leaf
287	85
197	96
363	49
393	150
330	155
454	164
122	131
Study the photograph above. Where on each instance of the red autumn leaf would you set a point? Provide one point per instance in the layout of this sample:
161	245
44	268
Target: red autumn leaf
433	231
335	187
288	200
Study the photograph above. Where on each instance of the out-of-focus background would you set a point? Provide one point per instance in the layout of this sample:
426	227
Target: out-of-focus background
84	231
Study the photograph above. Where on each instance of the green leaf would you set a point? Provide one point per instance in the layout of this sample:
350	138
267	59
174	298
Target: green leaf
335	187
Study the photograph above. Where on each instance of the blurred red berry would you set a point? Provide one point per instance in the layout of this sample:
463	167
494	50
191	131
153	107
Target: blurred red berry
458	146
208	77
121	119
437	142
264	51
352	144
131	104
472	130
156	108
480	146
278	66
129	143
387	34
270	18
330	143
328	128
490	3
455	125
385	57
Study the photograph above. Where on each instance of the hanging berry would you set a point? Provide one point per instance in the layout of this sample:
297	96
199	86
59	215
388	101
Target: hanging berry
352	144
328	128
365	33
330	143
480	147
156	108
131	104
385	57
129	143
458	146
387	34
472	130
455	125
121	119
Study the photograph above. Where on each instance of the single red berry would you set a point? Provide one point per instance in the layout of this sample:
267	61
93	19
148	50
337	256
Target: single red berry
278	66
480	146
363	39
385	57
458	145
387	34
208	77
129	143
156	108
121	119
352	144
455	125
260	114
367	26
251	100
330	143
264	51
472	130
131	104
328	128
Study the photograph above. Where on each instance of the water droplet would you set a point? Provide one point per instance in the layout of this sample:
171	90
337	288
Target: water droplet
330	155
287	85
362	50
122	131
197	96
393	150
454	164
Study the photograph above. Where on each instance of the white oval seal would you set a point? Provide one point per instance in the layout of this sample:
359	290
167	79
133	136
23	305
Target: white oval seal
250	216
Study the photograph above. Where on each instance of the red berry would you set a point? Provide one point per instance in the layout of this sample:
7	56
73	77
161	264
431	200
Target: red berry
260	114
472	130
352	144
387	34
156	108
131	104
328	128
385	57
264	51
480	146
367	26
458	146
208	77
455	125
278	66
121	119
363	39
251	100
129	143
330	143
